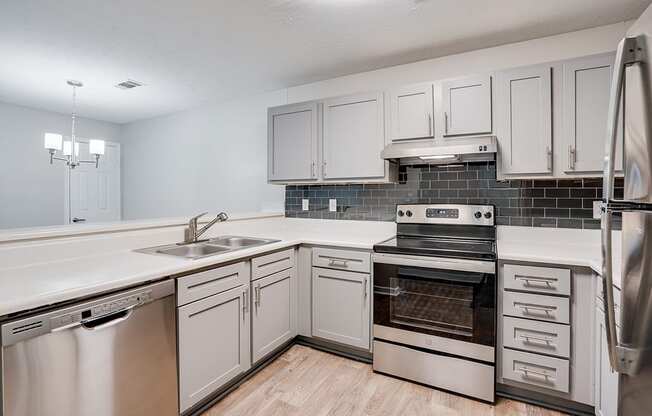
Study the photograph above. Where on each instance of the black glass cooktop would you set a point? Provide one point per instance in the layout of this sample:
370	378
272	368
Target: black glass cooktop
439	247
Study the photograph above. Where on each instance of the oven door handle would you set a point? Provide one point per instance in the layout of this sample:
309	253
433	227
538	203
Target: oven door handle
464	265
388	291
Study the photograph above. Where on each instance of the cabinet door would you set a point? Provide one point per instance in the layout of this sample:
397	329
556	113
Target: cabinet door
274	312
213	344
466	105
292	140
341	306
410	112
524	120
587	85
354	136
606	387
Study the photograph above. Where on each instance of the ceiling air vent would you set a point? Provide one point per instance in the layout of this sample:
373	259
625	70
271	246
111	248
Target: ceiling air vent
129	84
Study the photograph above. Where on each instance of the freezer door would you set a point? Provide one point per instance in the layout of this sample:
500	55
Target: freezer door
637	116
636	326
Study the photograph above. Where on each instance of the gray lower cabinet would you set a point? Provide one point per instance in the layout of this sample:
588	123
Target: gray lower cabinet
214	344
545	330
274	317
341	306
606	381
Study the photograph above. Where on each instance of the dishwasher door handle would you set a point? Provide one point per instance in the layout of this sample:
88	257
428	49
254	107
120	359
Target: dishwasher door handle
108	320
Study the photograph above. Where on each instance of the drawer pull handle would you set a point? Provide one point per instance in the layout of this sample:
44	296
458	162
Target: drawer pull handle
338	263
548	310
536	281
527	371
529	338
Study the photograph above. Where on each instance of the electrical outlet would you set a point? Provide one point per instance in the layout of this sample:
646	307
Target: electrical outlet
332	205
597	212
305	204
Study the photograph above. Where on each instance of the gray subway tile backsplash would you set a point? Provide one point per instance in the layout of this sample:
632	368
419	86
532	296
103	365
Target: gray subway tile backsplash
564	203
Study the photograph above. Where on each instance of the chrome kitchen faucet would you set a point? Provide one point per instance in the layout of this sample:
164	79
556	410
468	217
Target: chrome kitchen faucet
192	234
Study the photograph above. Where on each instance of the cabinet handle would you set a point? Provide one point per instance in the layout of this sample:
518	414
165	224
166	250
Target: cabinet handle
323	169
571	157
257	301
532	281
548	310
364	283
429	124
549	158
529	338
338	263
312	170
445	122
244	304
527	371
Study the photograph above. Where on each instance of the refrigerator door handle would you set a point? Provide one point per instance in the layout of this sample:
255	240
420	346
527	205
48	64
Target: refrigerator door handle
620	357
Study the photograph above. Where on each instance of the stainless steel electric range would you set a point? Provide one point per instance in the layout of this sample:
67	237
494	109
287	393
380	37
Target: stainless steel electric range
434	298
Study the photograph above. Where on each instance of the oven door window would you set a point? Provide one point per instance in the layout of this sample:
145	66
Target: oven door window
453	304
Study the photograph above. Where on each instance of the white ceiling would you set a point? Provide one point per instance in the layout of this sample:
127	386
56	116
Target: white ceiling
191	52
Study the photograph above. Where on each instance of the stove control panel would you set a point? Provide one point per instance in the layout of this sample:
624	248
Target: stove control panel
442	213
445	214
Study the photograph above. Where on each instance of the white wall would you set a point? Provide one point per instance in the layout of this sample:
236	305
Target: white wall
208	159
32	190
568	45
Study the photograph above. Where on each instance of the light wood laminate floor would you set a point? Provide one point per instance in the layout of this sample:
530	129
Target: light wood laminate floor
305	381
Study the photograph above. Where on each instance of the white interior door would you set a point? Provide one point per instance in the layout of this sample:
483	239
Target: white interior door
93	194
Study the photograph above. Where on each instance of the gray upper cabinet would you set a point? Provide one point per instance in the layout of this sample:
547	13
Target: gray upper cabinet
354	136
341	306
292	132
214	344
524	120
466	105
587	83
273	312
411	112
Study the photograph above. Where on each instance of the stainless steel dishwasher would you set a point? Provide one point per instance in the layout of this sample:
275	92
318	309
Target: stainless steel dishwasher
112	356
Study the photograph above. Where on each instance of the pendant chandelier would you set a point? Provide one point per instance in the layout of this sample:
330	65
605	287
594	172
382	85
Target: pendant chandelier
70	148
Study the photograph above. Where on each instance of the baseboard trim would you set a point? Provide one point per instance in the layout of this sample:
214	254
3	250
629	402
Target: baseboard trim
337	349
542	400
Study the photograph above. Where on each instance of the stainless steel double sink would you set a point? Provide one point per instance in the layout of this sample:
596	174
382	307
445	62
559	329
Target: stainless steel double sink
213	246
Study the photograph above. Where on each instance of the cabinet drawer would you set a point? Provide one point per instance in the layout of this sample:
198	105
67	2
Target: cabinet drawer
354	261
537	279
536	336
531	306
271	263
537	370
200	285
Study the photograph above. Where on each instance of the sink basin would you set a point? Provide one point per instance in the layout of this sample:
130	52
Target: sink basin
238	242
192	251
217	245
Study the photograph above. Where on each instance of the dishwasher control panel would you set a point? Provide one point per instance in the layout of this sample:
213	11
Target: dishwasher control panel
100	310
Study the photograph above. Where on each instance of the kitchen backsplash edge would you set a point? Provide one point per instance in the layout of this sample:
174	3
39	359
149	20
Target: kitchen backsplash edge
562	203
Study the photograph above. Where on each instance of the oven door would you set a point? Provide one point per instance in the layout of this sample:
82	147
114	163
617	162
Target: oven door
447	300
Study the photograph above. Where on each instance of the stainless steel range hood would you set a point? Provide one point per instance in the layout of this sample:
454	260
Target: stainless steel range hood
442	151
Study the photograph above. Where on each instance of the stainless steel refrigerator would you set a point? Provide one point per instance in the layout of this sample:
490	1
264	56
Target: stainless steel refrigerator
630	349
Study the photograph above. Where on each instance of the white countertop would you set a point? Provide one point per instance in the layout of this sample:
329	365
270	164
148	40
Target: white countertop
557	246
43	272
112	263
